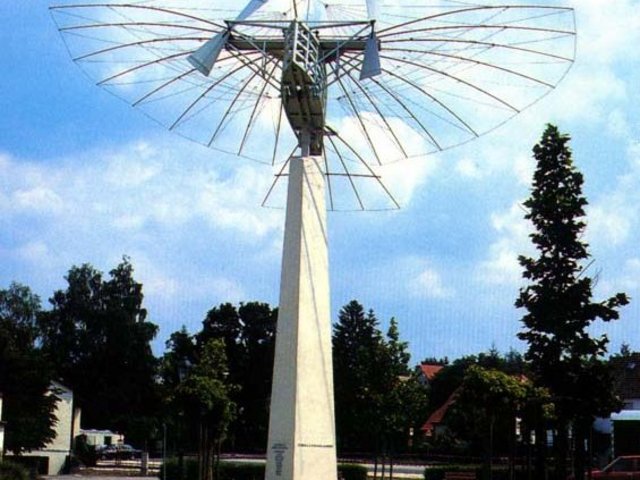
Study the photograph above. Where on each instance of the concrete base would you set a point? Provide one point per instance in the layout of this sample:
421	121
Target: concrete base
302	422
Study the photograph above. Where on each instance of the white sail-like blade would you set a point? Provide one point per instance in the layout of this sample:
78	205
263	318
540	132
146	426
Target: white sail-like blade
372	9
371	63
206	56
251	7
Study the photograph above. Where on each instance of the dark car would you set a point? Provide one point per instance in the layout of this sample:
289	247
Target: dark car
118	452
627	467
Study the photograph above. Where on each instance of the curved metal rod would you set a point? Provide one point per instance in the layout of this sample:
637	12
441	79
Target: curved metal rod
471	9
400	102
408	110
138	44
255	107
434	98
279	125
362	125
326	170
480	43
143	65
136	24
230	107
366	165
277	177
202	95
380	114
470	60
239	55
480	27
453	77
353	186
166	84
169	82
116	6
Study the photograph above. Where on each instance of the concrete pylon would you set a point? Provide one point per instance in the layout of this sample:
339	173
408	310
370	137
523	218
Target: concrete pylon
302	421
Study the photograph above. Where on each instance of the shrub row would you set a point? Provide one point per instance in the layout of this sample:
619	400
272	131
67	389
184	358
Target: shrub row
244	471
499	473
12	471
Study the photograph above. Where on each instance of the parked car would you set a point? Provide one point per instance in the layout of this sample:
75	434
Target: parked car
118	452
627	467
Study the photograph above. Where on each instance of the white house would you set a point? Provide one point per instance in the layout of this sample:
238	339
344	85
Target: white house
67	427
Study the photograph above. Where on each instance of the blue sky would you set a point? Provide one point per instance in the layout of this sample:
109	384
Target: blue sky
86	178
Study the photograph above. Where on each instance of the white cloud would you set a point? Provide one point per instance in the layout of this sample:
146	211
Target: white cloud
34	252
429	284
501	266
39	198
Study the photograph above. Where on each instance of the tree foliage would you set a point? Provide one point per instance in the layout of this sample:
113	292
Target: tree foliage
97	338
377	398
565	357
248	335
206	396
25	379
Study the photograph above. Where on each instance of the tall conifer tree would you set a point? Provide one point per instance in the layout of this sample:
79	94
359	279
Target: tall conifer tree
564	356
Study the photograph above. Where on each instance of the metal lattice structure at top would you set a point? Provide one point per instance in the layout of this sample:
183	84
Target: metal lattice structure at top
362	83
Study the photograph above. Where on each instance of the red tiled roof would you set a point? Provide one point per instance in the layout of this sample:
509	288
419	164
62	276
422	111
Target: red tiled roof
437	416
429	370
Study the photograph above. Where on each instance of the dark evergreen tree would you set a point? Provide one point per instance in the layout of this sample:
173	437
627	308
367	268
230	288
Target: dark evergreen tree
564	356
175	366
377	398
25	377
98	340
248	334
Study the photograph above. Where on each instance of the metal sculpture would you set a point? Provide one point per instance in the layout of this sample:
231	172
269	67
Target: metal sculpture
361	84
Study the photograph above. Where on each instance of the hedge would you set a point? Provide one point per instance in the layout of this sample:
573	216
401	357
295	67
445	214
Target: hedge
437	472
244	471
12	471
498	473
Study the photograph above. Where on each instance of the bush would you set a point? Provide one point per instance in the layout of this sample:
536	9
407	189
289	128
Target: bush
437	472
351	471
243	471
497	473
12	471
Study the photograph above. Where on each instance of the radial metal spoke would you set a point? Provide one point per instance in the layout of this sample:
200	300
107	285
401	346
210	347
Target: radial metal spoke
381	115
139	43
360	121
465	10
255	107
138	24
453	77
226	113
117	6
143	65
408	110
203	94
366	165
353	186
479	43
473	61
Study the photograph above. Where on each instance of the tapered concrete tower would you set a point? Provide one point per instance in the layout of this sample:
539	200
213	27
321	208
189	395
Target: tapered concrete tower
302	425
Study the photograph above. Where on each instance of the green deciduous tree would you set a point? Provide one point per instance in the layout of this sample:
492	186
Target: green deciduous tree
487	403
97	339
206	396
564	356
248	334
25	379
